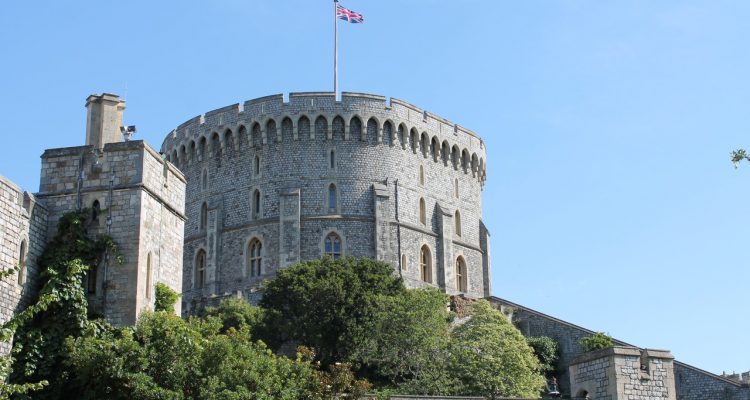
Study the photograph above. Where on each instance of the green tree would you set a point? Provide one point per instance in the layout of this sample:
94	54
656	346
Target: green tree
326	303
491	358
406	341
546	351
165	298
596	341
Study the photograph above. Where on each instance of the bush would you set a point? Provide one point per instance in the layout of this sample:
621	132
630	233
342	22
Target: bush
545	349
165	298
236	313
597	341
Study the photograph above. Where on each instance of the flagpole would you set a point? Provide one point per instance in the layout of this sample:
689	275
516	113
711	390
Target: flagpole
335	52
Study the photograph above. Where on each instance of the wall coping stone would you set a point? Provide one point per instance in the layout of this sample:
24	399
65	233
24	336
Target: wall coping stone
620	351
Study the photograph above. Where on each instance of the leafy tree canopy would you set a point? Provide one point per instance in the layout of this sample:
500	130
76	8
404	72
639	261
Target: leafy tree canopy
407	341
491	358
326	303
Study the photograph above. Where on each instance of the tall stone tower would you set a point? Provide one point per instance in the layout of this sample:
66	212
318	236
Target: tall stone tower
135	196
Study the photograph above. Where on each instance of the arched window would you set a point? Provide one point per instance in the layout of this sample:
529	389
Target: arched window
200	269
457	220
204	216
149	276
455	187
256	204
421	175
461	274
332	246
404	264
332	159
422	212
204	180
255	257
332	200
22	263
95	210
256	166
425	264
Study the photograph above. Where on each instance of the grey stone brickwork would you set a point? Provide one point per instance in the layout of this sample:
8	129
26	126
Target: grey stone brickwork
690	383
23	226
623	373
382	157
696	384
146	210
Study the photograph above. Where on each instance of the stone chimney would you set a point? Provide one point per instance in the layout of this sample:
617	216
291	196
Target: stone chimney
104	119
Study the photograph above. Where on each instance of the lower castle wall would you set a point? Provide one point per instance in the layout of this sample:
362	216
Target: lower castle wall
22	219
691	383
695	384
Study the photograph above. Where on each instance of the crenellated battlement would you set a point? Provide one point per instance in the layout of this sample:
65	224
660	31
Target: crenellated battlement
318	116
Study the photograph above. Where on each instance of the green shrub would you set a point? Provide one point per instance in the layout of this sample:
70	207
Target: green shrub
597	341
165	298
545	349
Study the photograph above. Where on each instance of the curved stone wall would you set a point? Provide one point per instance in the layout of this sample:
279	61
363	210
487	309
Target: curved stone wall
286	174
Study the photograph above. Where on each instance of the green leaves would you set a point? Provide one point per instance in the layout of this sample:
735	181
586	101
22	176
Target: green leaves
491	358
546	349
165	298
738	155
325	303
597	341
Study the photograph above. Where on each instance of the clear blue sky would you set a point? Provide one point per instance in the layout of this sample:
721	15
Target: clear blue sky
610	196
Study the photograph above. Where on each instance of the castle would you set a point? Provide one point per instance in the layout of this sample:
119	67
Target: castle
245	190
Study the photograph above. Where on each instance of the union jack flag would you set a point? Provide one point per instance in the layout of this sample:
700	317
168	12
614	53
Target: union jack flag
349	15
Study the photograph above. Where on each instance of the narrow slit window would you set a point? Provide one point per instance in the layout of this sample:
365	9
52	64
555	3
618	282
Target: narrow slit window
256	204
332	159
204	216
422	212
22	263
332	200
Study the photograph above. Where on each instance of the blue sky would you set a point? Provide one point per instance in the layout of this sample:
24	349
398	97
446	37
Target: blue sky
610	196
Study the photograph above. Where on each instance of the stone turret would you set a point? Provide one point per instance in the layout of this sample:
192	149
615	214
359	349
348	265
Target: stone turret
104	119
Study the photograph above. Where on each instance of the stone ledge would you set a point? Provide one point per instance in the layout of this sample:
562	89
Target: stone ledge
620	351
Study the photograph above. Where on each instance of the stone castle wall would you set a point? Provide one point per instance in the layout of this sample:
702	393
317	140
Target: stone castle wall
145	216
690	383
378	149
23	225
696	384
623	373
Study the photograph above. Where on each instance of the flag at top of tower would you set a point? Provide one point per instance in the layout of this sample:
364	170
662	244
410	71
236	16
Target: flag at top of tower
349	15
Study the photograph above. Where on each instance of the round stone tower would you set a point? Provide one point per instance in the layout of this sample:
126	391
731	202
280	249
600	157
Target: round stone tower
272	182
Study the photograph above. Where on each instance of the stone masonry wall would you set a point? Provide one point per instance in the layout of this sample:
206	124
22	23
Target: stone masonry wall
22	220
363	145
691	383
145	209
616	373
695	384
